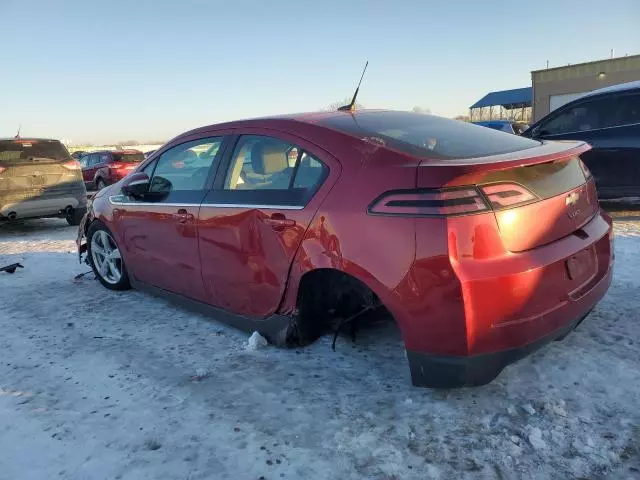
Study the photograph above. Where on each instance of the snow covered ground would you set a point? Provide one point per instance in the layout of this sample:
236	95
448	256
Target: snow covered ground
102	385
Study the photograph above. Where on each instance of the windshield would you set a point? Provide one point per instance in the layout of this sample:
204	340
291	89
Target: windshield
428	135
128	157
25	150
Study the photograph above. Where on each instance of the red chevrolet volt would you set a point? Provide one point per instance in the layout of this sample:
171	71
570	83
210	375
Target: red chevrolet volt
482	246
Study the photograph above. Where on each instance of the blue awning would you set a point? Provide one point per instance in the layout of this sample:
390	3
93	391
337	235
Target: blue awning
516	98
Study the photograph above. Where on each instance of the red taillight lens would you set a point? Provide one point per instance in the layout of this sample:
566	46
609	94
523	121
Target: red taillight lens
2	169
507	195
585	169
72	165
430	202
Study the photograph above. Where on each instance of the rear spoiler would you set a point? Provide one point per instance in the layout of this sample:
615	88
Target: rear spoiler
545	152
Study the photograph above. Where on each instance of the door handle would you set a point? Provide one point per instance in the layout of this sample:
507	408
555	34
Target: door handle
279	222
183	216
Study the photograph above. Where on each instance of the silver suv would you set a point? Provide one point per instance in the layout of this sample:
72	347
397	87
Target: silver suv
39	178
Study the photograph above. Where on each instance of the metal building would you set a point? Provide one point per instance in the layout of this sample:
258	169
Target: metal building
553	87
512	104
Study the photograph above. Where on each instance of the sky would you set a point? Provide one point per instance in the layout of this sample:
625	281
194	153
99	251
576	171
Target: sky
107	71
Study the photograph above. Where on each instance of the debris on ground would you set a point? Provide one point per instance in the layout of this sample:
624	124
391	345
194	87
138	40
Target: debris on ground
11	268
256	342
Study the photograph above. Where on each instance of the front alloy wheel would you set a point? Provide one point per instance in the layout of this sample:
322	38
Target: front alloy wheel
106	260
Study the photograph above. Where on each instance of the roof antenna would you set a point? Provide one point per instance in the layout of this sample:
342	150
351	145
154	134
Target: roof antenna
18	134
351	107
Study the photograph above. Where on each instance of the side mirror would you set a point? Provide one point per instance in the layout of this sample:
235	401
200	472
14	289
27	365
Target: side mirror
136	184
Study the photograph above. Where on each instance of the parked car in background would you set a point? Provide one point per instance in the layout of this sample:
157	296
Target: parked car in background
100	169
39	178
609	120
482	246
508	126
77	154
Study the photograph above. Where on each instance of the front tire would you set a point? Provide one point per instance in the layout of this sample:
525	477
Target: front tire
105	258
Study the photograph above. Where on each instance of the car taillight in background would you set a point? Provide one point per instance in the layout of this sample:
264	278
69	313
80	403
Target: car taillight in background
2	169
72	165
122	166
449	202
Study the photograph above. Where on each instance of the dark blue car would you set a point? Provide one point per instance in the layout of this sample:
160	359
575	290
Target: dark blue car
508	126
609	120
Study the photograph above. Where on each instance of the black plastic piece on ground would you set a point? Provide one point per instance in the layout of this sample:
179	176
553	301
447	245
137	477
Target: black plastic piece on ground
11	268
350	320
440	371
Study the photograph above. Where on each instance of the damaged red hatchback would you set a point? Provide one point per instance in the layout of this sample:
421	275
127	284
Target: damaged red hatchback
483	246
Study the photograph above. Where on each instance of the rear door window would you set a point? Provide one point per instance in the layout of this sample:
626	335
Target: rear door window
427	135
269	171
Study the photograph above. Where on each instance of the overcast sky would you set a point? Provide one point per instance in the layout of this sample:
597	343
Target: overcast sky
103	71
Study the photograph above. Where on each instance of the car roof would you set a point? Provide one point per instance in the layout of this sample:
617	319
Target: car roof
312	118
621	87
29	139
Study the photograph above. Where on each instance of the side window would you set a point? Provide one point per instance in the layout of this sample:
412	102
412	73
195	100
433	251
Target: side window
310	174
628	112
83	161
284	172
148	169
184	167
589	115
260	163
94	159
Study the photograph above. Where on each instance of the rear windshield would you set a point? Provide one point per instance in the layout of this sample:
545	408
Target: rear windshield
18	150
128	157
428	135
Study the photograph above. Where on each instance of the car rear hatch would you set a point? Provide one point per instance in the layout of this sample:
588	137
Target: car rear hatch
37	165
538	191
125	162
538	195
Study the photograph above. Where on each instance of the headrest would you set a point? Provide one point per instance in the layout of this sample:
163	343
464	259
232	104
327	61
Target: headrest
268	157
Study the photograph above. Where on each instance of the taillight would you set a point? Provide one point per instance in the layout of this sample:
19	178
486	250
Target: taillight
430	202
585	169
2	169
72	165
507	195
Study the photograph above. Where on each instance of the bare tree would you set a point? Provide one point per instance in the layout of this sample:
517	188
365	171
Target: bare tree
462	118
346	101
418	109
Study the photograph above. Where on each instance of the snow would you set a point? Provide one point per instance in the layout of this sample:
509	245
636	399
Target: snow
96	384
256	342
535	438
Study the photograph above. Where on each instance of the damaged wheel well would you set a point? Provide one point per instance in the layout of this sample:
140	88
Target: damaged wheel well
326	299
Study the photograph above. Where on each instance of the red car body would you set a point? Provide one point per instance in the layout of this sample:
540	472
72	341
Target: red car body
480	259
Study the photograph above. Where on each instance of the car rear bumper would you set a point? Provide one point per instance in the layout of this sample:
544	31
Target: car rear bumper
513	304
39	204
436	371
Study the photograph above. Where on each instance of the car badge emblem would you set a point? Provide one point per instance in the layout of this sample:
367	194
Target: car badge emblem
572	199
